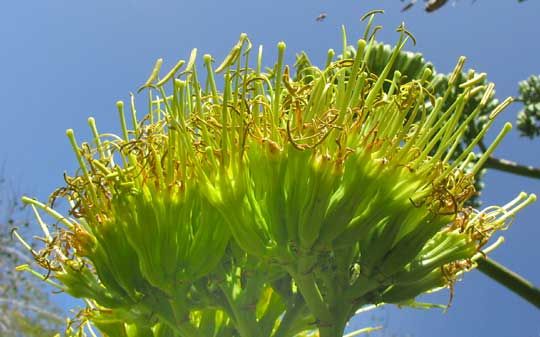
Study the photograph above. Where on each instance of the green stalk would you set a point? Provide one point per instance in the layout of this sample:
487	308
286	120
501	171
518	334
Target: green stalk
184	327
341	308
293	313
315	301
245	320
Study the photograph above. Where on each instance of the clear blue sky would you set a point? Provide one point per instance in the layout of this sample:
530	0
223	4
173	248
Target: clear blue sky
62	61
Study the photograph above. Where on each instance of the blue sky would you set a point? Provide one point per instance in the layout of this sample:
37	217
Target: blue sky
62	61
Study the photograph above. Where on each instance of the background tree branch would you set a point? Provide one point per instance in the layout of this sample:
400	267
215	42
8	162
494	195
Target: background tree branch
25	307
513	167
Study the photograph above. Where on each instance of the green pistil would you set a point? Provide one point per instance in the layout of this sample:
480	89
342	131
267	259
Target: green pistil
153	75
276	99
170	74
512	208
26	267
375	90
82	165
40	221
329	57
477	79
97	138
178	108
122	116
133	111
344	43
210	77
506	128
102	168
394	84
225	133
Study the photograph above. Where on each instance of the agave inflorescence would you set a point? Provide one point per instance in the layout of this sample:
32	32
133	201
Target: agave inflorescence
277	206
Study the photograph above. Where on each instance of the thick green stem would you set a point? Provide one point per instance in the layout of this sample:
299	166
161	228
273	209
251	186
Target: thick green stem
245	325
185	329
315	301
341	309
313	297
510	280
188	330
293	313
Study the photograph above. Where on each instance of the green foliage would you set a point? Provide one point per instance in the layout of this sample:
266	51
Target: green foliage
528	120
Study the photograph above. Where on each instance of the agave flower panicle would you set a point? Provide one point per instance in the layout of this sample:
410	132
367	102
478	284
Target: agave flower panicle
343	184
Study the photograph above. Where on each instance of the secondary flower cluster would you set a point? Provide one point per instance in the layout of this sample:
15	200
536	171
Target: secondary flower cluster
276	206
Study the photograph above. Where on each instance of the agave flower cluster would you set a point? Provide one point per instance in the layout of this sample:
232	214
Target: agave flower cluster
277	206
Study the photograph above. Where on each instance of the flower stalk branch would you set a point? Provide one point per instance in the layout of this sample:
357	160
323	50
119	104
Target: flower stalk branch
512	167
510	280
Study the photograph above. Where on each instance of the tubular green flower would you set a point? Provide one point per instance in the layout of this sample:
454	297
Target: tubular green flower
344	185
